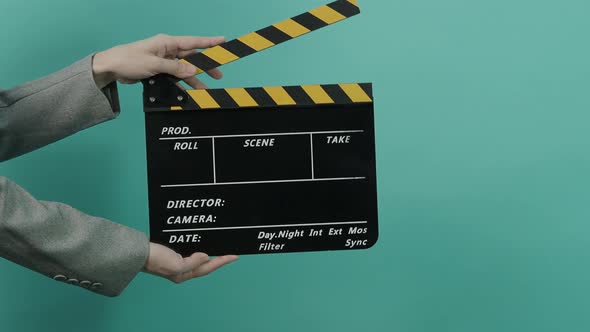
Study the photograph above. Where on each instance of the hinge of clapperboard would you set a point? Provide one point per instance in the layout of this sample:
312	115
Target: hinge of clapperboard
163	93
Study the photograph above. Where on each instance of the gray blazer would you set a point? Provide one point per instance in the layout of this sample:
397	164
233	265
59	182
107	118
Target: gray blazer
54	238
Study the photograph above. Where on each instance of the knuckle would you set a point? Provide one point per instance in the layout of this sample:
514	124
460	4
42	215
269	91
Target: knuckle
177	267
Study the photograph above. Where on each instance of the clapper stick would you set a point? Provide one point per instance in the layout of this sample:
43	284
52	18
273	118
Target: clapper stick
162	91
273	35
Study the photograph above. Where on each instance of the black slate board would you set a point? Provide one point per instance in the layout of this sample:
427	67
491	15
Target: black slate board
209	193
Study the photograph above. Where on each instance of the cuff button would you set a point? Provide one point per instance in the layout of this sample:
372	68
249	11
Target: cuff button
96	285
60	277
73	281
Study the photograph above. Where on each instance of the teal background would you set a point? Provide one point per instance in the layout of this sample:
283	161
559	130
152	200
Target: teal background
483	159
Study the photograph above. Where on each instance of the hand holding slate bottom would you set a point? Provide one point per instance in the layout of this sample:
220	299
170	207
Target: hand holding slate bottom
166	263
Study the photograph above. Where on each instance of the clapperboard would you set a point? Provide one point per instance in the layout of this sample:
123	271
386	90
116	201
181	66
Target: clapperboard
262	170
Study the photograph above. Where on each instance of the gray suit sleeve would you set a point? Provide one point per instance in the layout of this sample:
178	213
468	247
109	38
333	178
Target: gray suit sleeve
40	112
53	238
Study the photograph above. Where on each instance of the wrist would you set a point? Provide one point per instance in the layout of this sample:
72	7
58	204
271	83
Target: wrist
101	70
146	264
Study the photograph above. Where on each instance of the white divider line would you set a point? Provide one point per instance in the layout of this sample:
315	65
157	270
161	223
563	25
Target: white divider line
255	182
311	142
264	226
213	148
265	134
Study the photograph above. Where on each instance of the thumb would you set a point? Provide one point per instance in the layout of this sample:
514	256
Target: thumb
179	69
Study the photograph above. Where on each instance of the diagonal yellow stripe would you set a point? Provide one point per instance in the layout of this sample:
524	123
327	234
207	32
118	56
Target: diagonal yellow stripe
279	95
317	94
291	28
199	70
203	98
220	54
354	2
355	93
327	14
256	41
241	97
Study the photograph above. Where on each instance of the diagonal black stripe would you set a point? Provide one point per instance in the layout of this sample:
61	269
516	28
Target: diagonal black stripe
202	61
274	35
345	8
189	104
368	88
336	93
238	48
309	21
261	97
223	98
299	95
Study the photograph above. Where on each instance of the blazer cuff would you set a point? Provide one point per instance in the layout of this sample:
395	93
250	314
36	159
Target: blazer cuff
111	91
113	257
133	252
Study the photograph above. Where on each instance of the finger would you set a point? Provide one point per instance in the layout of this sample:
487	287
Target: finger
186	43
180	86
162	45
215	73
195	83
127	81
179	69
213	265
194	261
184	54
207	267
188	265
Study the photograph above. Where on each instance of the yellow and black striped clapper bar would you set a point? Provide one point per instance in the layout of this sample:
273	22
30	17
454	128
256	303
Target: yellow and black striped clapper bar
261	170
